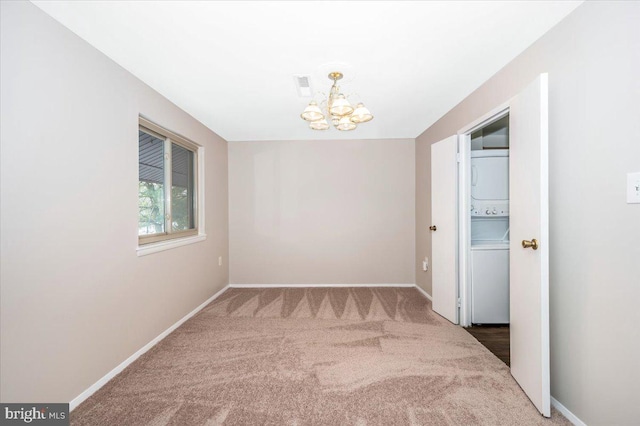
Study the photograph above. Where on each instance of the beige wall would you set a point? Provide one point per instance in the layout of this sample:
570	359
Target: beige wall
593	61
309	212
76	301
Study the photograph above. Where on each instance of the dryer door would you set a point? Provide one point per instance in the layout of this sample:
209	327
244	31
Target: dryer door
490	178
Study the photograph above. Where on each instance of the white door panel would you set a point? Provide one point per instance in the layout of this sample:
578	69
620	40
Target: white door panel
529	219
444	178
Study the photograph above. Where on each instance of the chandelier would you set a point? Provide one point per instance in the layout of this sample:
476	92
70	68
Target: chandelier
338	110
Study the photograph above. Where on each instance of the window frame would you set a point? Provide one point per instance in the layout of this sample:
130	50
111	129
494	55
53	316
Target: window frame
156	242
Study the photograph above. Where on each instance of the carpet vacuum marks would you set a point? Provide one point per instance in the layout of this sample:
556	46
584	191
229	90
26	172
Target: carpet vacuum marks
315	356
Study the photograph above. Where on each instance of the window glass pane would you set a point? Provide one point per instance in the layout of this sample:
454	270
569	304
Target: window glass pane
182	181
150	184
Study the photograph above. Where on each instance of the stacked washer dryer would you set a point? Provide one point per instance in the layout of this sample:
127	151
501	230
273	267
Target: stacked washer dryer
490	236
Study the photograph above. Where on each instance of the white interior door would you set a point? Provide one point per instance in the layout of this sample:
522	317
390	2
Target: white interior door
529	267
444	179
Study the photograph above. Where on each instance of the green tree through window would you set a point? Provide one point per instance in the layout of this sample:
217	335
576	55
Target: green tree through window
151	208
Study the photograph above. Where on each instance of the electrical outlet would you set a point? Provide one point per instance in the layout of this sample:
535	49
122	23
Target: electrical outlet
633	188
425	264
220	261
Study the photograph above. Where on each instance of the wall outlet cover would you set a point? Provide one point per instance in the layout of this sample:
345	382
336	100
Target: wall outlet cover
425	264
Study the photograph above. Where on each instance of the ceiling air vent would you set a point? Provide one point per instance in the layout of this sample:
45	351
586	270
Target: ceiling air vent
303	85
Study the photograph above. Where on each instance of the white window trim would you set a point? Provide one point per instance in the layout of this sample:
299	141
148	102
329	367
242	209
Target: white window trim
168	244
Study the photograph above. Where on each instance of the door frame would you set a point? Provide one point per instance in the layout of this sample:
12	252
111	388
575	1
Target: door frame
464	207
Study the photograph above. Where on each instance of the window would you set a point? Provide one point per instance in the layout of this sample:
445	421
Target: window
167	185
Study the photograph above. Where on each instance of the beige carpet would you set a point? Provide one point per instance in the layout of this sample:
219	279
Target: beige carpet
357	356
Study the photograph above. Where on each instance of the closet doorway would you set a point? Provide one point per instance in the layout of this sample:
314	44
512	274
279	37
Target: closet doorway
489	245
523	221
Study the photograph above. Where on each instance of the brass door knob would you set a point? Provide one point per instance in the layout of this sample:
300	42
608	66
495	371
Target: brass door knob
530	244
433	228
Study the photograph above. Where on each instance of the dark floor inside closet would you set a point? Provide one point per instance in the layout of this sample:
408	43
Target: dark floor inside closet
493	337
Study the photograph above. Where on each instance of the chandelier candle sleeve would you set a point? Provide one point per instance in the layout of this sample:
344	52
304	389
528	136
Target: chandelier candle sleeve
338	110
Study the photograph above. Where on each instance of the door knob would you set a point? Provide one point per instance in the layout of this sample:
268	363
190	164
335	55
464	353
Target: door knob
530	244
433	228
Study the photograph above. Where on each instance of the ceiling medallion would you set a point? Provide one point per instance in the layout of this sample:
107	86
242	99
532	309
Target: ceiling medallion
338	109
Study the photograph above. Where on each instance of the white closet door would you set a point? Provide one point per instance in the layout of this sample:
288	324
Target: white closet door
529	268
444	178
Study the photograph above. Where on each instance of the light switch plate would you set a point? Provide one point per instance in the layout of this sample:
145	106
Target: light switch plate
633	188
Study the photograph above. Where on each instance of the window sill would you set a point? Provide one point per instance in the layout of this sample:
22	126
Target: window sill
169	244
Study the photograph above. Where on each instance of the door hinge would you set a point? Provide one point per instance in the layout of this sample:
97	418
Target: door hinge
459	303
458	157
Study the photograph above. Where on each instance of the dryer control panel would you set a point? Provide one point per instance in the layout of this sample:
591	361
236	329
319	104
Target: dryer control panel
489	208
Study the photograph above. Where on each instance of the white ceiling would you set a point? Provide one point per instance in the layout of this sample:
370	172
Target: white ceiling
231	64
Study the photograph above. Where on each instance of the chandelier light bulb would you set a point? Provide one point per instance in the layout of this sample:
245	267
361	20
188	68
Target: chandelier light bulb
345	124
340	106
361	114
312	112
319	125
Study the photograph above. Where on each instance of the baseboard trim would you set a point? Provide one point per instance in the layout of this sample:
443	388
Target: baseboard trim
565	412
317	285
424	293
404	285
111	374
